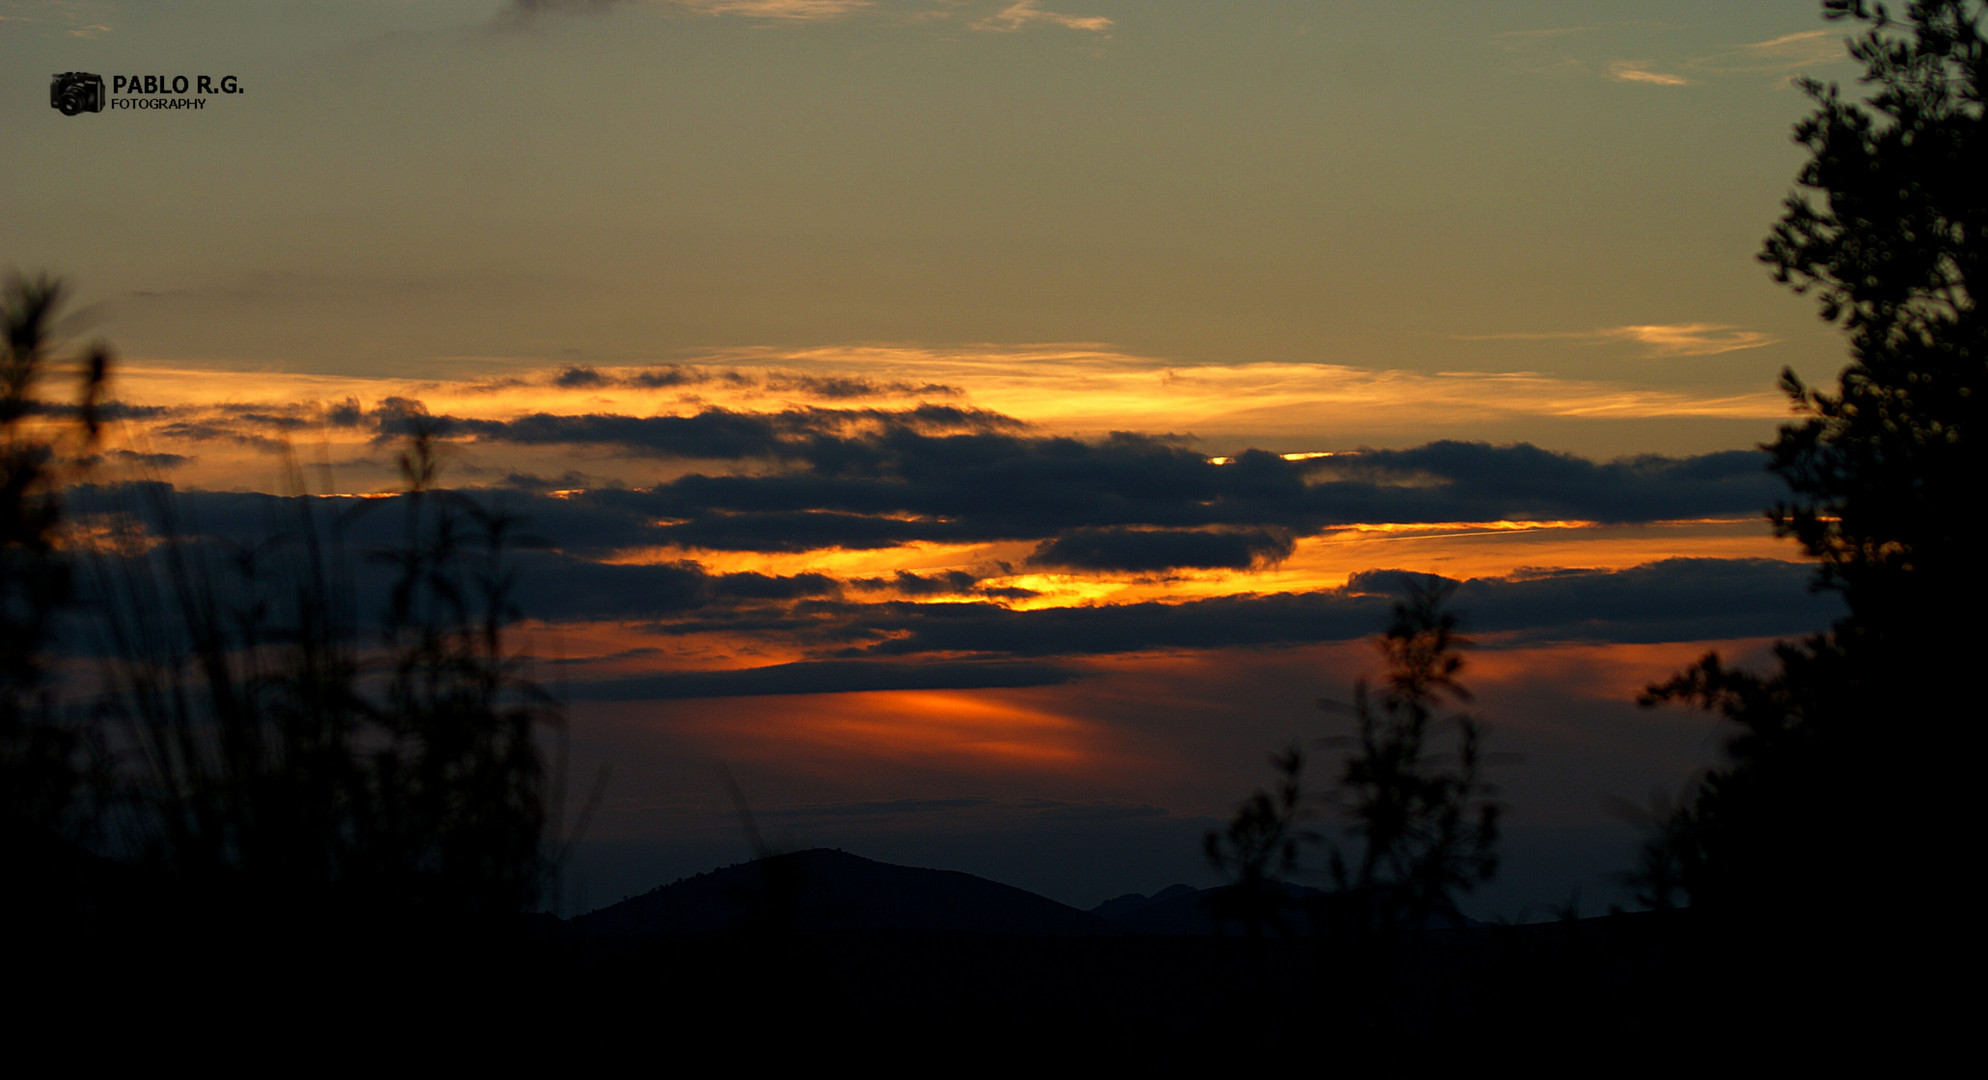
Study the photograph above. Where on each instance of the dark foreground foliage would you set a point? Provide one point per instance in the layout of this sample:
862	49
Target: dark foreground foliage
1822	858
1628	992
1848	794
250	736
38	777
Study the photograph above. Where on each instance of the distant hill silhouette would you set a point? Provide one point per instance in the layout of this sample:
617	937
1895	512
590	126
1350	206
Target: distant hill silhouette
831	890
824	889
937	959
1176	909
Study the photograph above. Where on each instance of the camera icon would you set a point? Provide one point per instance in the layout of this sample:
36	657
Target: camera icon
76	92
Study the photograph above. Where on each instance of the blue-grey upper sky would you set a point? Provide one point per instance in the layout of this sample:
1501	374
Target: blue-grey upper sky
440	187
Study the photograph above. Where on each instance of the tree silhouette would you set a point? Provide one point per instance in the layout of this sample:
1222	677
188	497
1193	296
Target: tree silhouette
1422	826
1427	830
1259	850
1853	754
1889	236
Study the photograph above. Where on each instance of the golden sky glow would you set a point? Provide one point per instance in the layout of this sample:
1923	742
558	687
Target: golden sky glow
1055	390
1455	549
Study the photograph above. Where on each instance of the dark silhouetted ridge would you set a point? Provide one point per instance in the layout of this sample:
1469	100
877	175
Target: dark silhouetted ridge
823	889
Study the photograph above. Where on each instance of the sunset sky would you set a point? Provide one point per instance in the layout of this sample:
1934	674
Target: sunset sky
985	427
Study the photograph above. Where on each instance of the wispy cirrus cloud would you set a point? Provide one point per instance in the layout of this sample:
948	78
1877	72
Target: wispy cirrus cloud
1023	13
1789	52
1786	57
1662	339
1638	71
1007	16
792	10
1597	51
1543	51
1571	50
774	9
74	18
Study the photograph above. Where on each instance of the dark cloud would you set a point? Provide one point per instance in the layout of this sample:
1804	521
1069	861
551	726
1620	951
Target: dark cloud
801	530
1135	502
878	478
843	387
146	461
872	633
256	425
869	478
579	376
800	383
825	677
990	629
667	375
1525	482
831	440
399	418
106	410
907	645
1672	600
570	480
1159	550
900	484
346	413
753	586
907	583
222	431
217	527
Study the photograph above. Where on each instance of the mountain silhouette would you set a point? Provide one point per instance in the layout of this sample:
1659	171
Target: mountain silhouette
825	889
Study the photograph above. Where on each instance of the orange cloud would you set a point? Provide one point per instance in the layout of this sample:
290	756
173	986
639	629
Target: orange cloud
959	731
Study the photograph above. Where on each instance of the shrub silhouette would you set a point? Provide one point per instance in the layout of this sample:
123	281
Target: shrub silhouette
264	744
246	737
40	449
